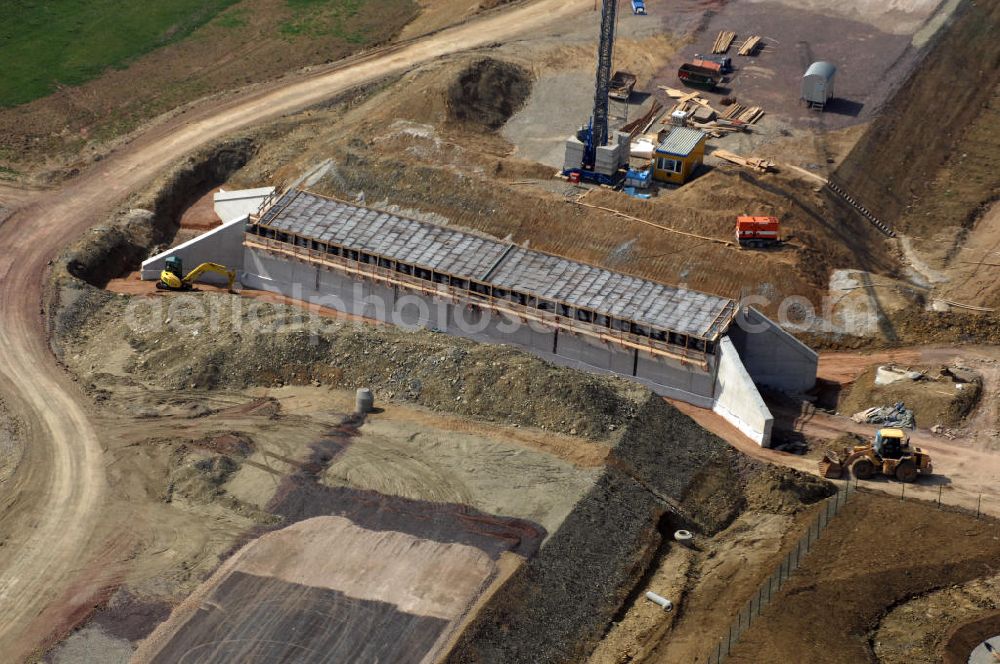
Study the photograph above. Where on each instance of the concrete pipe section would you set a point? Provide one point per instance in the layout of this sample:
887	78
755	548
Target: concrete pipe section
663	602
684	537
982	653
364	401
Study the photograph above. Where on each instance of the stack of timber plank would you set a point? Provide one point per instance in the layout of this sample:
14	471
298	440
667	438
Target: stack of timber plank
753	163
716	130
750	45
747	114
684	100
723	41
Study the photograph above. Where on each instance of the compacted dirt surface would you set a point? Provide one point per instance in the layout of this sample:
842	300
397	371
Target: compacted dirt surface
319	589
876	553
176	490
966	465
61	475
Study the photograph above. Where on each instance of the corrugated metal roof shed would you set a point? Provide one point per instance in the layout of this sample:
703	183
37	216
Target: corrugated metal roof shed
821	68
680	141
475	257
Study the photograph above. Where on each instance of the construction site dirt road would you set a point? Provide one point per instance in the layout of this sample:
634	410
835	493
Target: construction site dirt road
966	467
52	503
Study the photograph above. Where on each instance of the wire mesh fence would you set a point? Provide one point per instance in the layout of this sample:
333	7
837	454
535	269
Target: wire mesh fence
933	496
780	575
939	493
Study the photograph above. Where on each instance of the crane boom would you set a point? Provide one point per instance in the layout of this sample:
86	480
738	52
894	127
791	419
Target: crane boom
605	50
588	155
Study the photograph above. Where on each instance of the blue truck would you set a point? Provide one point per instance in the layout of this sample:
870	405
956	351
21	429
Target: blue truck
639	7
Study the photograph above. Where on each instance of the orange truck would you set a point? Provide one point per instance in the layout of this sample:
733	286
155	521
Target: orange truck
758	231
704	63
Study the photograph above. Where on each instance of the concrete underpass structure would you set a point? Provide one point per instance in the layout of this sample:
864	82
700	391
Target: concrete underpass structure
680	343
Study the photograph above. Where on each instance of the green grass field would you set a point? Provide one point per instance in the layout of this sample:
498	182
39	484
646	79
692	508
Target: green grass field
321	18
45	43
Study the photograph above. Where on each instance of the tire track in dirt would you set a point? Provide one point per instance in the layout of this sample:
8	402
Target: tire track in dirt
15	197
51	506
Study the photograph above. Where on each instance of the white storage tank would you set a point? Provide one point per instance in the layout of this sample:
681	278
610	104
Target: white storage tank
817	84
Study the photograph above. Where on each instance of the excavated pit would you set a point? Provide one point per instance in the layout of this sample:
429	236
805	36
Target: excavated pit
140	226
119	247
487	93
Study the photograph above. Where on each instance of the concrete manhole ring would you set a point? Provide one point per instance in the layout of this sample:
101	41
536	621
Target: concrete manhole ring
982	653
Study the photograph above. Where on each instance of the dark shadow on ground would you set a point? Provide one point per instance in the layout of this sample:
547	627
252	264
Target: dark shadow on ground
827	393
846	107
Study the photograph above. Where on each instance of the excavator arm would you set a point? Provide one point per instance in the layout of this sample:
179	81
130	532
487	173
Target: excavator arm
193	275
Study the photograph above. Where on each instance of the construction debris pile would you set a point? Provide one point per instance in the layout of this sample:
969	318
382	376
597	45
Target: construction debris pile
753	163
699	113
944	395
897	415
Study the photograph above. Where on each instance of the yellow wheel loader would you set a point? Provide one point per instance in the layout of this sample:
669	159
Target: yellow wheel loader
890	454
172	276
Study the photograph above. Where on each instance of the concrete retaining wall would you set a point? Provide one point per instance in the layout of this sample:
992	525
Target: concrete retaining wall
773	357
230	205
768	356
332	289
737	398
220	245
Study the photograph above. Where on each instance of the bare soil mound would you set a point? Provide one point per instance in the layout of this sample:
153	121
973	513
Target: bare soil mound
488	92
877	553
200	469
239	346
968	613
939	398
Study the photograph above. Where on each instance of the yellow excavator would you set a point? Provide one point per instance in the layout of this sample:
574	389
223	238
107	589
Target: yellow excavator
890	454
172	276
